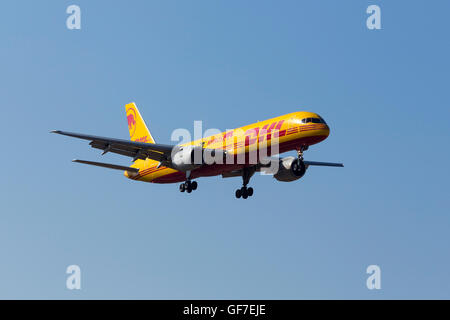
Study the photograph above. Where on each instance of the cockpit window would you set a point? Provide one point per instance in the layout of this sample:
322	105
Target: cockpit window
313	120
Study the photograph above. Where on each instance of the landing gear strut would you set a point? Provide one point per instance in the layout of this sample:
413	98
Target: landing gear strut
245	192
298	166
188	186
300	151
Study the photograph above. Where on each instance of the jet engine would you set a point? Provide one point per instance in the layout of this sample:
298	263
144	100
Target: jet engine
191	157
290	169
187	158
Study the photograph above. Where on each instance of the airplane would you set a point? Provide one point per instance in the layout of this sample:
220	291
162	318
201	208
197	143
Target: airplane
162	163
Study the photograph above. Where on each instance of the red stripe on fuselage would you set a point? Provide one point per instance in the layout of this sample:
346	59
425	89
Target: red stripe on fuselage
217	169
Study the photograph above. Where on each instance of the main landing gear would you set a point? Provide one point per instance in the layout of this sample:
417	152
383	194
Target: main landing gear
188	186
245	192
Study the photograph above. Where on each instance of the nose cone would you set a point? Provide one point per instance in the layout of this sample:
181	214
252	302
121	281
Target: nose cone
326	131
321	133
323	128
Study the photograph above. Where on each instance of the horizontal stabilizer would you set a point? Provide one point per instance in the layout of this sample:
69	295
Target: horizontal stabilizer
107	165
323	164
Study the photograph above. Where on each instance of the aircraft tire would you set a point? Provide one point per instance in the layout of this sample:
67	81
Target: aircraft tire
244	192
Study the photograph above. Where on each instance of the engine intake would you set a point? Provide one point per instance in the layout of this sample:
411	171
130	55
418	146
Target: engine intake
191	157
187	158
290	169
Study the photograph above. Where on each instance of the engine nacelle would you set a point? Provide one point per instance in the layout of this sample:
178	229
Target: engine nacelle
187	158
191	157
290	169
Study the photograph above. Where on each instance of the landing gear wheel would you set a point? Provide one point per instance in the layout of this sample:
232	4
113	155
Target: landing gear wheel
187	186
194	185
244	192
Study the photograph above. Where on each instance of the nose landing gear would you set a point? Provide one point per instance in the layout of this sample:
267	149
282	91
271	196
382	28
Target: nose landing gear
300	151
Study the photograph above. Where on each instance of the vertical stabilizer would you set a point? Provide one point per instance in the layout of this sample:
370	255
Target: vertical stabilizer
136	125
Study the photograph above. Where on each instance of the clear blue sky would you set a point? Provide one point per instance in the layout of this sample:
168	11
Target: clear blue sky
384	93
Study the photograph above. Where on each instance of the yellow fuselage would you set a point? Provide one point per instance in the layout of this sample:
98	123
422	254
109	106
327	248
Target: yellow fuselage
291	131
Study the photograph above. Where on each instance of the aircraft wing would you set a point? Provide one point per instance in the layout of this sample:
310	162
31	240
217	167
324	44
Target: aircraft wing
323	164
136	150
268	161
265	167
